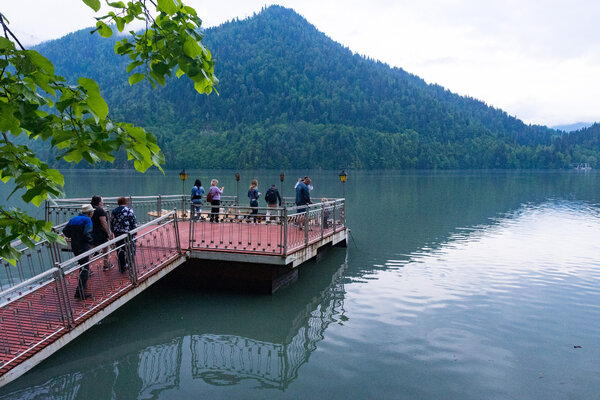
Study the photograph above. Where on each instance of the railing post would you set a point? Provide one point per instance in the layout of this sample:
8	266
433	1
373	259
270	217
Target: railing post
335	216
64	304
182	206
322	219
159	205
343	213
177	238
307	211
53	250
285	229
130	246
192	224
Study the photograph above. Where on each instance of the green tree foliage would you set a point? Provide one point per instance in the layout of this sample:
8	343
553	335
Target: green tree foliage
71	118
291	97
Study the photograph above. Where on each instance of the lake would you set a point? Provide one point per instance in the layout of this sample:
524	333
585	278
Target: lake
455	285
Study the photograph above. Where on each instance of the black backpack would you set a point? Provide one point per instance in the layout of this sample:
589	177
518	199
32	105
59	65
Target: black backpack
270	196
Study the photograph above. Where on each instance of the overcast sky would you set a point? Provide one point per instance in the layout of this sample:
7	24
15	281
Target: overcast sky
536	59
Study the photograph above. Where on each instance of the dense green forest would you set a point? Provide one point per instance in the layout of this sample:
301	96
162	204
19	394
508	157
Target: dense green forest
290	97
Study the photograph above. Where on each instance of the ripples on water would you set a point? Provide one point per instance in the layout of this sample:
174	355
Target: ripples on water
491	311
496	310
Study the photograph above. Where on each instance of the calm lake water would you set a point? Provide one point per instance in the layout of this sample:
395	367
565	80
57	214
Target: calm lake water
456	285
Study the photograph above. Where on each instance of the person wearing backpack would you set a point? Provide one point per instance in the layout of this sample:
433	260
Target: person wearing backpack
253	194
272	197
196	198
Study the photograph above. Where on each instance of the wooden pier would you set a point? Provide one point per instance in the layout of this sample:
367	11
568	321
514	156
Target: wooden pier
39	315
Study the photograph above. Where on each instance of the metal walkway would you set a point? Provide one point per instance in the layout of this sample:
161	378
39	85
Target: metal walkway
38	311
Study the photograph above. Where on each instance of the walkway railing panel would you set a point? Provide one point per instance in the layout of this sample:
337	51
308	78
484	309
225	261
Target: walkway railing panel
237	231
27	321
37	311
32	262
277	231
146	208
145	250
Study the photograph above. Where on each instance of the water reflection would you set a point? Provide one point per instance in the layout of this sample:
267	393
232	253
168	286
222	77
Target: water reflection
462	285
217	359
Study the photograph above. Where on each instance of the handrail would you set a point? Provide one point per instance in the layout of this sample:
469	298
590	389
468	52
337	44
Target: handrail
116	239
287	229
51	291
27	283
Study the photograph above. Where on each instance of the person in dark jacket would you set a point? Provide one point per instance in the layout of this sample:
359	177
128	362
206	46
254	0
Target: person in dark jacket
101	232
303	193
253	194
79	230
303	199
272	197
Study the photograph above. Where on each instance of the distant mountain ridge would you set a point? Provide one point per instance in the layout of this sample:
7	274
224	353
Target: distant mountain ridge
290	97
573	127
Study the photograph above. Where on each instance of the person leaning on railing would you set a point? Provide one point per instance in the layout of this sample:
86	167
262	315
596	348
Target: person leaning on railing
122	220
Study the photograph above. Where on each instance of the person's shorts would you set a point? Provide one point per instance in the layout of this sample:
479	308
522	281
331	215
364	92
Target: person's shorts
101	239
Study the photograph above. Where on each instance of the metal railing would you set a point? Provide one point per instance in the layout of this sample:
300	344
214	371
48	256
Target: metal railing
41	308
33	261
276	231
161	363
146	208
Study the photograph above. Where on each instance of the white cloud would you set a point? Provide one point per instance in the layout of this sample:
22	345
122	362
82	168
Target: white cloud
536	59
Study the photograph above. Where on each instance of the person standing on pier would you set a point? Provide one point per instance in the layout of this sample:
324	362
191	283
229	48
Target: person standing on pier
272	197
303	198
79	230
215	199
123	220
197	192
253	194
101	232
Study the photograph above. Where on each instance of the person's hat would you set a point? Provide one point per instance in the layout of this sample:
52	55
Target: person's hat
86	208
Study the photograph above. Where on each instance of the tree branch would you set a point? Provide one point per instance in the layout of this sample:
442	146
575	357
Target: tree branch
8	31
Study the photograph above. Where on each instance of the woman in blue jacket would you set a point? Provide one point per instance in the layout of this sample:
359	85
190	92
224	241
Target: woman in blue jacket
253	194
196	198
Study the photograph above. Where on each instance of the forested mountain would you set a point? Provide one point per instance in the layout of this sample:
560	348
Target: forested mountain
292	97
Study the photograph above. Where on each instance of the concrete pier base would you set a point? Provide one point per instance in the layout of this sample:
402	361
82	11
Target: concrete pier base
238	276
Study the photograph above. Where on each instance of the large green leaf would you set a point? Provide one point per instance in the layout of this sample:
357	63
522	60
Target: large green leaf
98	106
6	44
93	4
90	86
136	78
167	6
104	30
40	61
191	48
